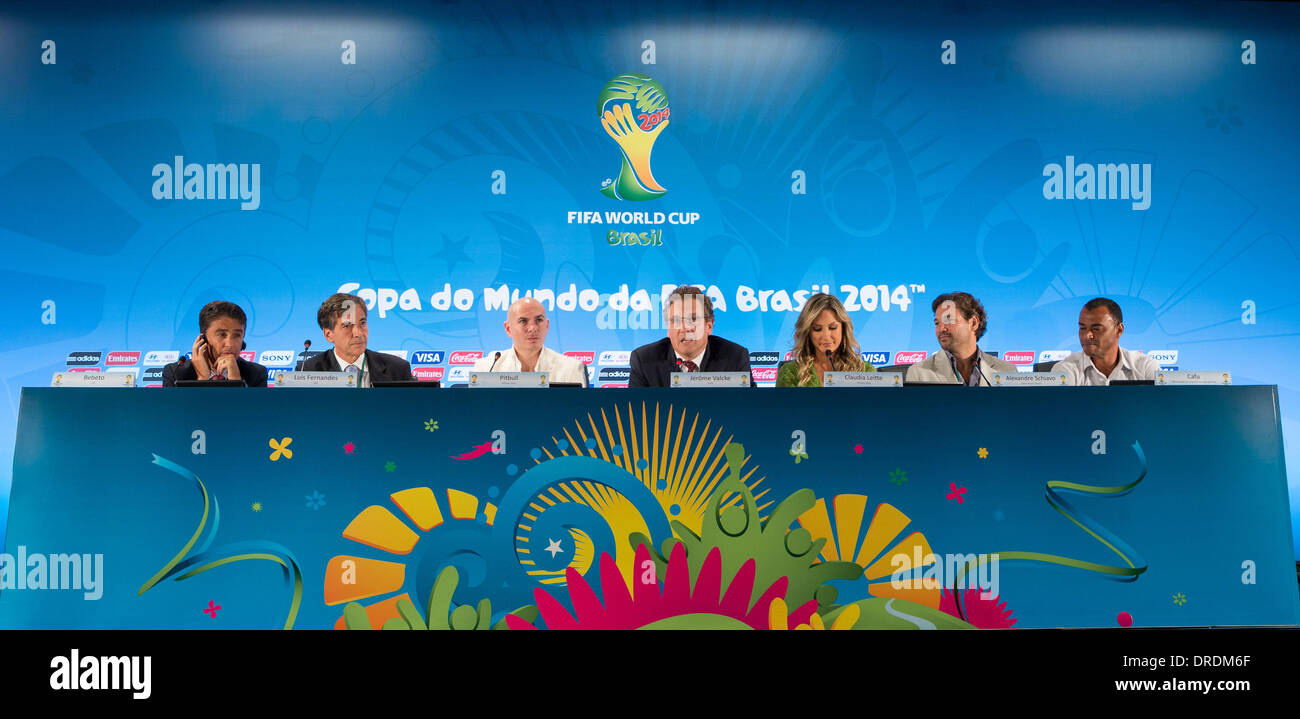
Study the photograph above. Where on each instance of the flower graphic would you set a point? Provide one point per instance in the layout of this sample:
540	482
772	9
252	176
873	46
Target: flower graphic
857	448
315	500
898	477
431	425
390	466
956	492
1180	599
1222	116
281	448
349	448
983	453
257	506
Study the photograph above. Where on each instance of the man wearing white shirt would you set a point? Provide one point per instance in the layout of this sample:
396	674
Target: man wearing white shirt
527	325
1101	324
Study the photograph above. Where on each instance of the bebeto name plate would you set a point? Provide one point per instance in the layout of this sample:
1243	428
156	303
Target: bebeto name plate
509	379
341	380
709	379
1028	379
862	379
92	379
1216	377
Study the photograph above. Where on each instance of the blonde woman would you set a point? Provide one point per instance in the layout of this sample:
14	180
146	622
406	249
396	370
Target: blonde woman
822	325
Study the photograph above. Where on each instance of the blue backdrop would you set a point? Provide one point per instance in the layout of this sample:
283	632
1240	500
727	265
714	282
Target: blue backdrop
414	151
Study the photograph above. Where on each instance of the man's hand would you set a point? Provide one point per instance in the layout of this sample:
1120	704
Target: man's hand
228	365
199	356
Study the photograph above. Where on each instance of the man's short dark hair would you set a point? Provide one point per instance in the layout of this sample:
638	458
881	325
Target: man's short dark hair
1111	306
687	290
334	306
967	305
214	311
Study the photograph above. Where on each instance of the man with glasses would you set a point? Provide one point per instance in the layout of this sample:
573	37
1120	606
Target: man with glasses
690	345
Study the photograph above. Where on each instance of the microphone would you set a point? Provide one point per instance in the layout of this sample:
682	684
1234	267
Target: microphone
306	345
495	359
828	358
987	383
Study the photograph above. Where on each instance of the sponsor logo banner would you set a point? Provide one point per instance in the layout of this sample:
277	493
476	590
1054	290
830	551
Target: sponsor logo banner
428	373
158	357
615	357
122	358
909	357
247	355
585	357
428	357
879	359
613	386
84	359
1053	355
465	357
763	374
1163	357
1019	357
788	356
458	374
152	374
767	357
614	374
276	358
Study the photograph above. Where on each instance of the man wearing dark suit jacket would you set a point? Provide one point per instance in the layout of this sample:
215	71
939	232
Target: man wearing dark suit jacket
215	354
343	320
690	345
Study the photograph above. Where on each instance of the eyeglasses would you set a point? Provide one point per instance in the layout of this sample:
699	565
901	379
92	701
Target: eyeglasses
677	323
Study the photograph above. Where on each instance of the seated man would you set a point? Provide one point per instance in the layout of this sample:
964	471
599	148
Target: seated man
1101	324
690	345
527	325
342	318
959	322
215	353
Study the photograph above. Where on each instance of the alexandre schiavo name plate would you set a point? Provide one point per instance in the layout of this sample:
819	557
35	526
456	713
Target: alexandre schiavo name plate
1028	379
92	379
1215	377
862	379
709	379
509	379
341	380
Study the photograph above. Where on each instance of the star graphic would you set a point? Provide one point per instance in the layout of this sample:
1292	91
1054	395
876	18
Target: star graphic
857	448
349	448
257	506
983	453
390	466
553	547
453	251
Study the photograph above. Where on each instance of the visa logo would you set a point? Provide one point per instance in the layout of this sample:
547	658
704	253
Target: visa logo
427	357
879	359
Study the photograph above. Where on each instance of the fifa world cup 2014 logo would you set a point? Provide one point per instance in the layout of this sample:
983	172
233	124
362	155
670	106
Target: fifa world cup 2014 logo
634	110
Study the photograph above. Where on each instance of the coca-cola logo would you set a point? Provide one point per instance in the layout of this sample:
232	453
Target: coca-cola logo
909	357
465	357
764	374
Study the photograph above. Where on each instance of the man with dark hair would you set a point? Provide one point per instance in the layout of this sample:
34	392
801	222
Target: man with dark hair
342	318
690	345
1101	324
959	323
215	354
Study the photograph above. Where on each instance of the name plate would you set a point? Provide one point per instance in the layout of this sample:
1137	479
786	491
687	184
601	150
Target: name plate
709	379
341	380
1191	377
92	379
509	379
862	379
1028	379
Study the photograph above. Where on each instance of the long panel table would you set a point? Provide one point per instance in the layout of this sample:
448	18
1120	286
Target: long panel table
314	508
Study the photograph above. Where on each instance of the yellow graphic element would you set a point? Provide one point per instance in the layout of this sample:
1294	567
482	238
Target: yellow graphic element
885	526
377	527
281	448
983	453
379	612
620	122
463	504
420	506
778	618
584	555
257	506
679	455
362	579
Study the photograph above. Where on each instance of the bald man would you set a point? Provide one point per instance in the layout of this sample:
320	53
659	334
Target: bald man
526	324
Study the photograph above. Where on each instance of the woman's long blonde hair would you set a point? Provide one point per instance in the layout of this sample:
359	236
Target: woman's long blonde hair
846	357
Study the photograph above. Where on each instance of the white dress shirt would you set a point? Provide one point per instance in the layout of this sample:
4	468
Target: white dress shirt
364	373
558	367
699	361
1081	372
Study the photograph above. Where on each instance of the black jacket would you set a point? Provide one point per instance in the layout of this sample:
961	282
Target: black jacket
653	363
253	374
381	367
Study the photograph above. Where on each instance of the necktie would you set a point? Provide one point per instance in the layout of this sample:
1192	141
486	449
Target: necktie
689	366
352	370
